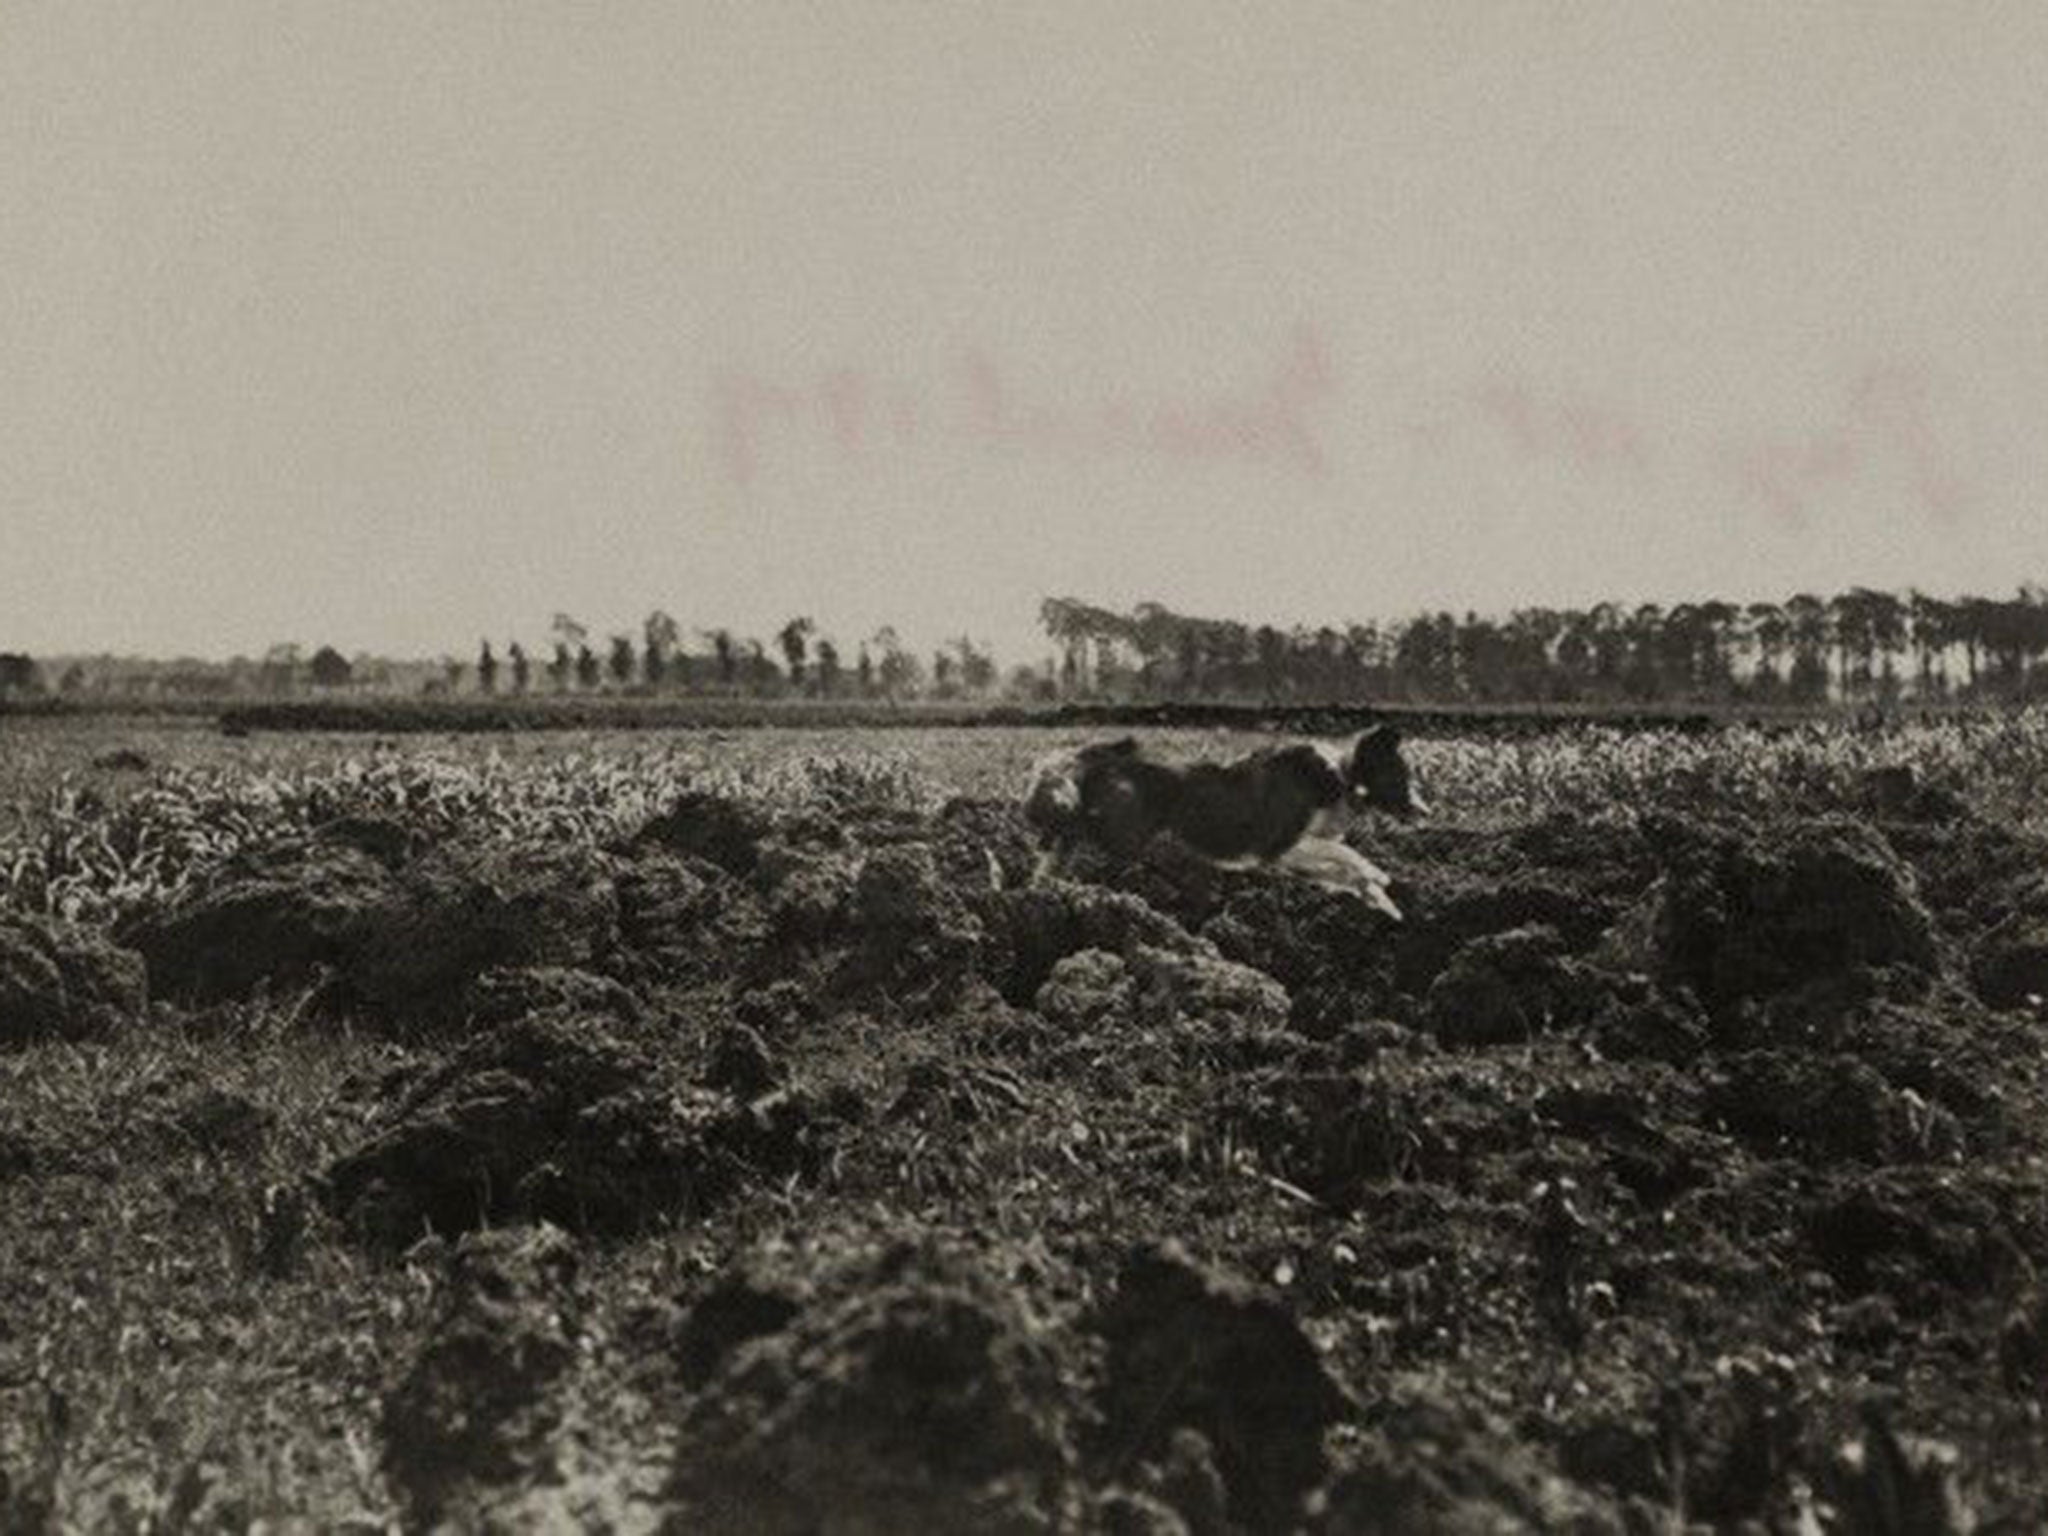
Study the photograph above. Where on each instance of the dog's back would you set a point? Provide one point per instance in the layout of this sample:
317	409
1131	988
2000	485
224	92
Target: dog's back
1257	807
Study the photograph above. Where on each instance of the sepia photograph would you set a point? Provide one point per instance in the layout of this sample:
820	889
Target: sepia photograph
1024	767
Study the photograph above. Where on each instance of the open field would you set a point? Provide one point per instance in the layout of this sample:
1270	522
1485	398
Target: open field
724	1131
412	714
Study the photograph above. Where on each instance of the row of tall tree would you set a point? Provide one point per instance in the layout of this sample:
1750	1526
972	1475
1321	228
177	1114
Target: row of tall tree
802	662
1855	646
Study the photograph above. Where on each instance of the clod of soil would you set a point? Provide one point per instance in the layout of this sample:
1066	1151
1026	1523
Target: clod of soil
910	1392
1450	920
1509	986
270	916
1831	1106
741	1306
1744	915
1331	950
1896	793
1427	1465
1189	1348
1087	989
1161	988
991	833
741	1062
1913	1233
805	894
66	982
917	934
779	1011
207	1118
1040	925
1192	987
473	1410
463	911
2011	969
1165	874
391	843
405	941
684	920
552	1117
506	993
1884	1482
712	827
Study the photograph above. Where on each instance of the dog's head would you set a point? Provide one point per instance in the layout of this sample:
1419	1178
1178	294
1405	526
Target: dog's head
1378	774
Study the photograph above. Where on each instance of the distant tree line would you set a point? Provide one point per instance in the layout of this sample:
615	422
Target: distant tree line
1855	646
281	671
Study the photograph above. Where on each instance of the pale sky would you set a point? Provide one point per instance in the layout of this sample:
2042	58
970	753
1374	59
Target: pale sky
394	325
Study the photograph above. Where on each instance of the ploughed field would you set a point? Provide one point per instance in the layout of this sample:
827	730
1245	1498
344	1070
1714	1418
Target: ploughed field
728	1133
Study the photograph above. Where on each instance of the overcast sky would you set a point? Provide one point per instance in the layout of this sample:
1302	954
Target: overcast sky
398	325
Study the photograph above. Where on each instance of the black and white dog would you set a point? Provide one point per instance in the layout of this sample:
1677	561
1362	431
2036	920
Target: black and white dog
1281	808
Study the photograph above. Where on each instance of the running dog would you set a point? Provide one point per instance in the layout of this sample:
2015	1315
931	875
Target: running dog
1281	808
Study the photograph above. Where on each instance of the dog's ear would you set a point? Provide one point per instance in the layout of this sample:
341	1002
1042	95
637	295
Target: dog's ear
1373	747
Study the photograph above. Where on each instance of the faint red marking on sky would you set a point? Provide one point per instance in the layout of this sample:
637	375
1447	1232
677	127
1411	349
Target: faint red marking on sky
1892	402
1590	435
1269	423
1886	419
1274	421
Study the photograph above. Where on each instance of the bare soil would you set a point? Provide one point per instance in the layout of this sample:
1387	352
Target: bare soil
824	1171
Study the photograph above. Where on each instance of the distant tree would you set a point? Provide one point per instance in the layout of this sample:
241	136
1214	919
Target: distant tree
454	671
1721	629
330	669
830	674
1866	624
1070	623
759	675
977	666
1032	684
659	634
486	670
1930	624
1770	632
898	671
73	680
724	657
942	674
794	640
569	643
621	659
1811	632
588	672
1270	646
864	673
19	673
522	669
